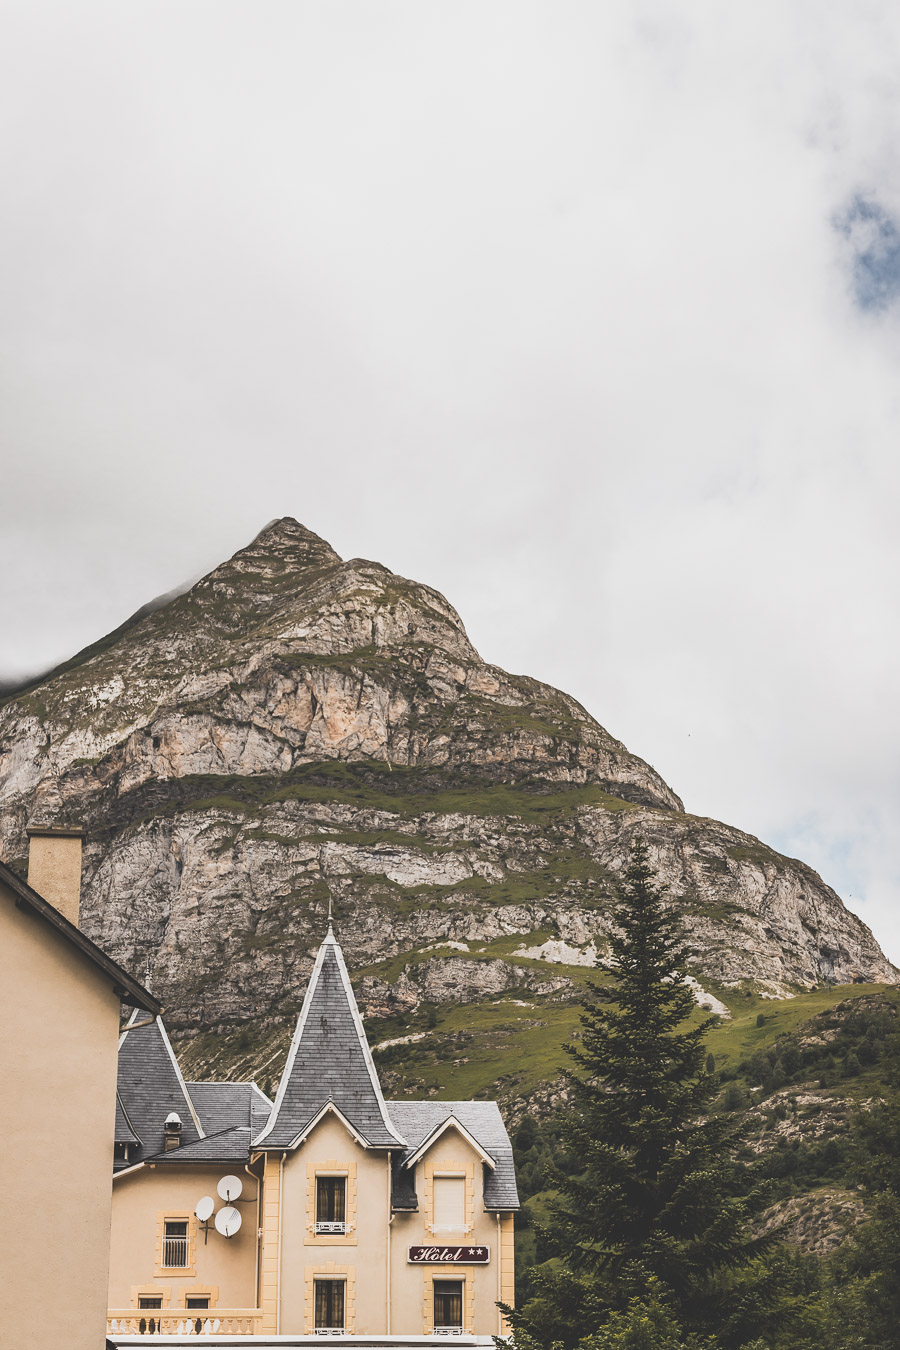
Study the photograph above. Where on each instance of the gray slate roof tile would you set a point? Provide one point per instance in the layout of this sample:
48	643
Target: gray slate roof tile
149	1087
329	1061
223	1105
228	1146
124	1132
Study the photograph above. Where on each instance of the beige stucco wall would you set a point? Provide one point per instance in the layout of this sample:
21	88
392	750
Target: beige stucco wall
362	1255
223	1268
59	1021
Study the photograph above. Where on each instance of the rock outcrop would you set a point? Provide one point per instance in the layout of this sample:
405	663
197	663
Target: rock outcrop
295	729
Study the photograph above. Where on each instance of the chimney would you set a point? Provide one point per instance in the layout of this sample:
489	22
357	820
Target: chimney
54	868
172	1131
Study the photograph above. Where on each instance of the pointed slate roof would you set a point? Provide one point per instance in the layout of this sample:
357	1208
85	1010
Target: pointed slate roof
149	1086
329	1064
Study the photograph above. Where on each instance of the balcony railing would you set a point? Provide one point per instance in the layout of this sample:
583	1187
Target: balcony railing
184	1322
330	1226
175	1251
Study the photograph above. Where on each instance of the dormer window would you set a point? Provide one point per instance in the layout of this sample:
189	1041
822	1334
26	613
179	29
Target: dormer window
331	1204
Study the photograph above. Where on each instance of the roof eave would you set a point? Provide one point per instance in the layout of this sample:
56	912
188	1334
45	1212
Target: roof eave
329	1108
124	985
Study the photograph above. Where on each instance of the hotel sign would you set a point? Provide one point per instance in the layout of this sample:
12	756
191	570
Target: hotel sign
438	1256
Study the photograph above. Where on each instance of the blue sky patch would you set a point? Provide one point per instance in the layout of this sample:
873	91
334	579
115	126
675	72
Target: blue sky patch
873	238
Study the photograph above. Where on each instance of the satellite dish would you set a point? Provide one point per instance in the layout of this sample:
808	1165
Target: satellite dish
205	1208
228	1221
229	1188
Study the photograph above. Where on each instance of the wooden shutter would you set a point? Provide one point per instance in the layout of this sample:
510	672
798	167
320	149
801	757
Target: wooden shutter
450	1203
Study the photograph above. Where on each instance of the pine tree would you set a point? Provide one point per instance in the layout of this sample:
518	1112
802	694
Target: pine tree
657	1203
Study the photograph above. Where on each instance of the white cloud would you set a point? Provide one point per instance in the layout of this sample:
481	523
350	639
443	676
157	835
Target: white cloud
548	305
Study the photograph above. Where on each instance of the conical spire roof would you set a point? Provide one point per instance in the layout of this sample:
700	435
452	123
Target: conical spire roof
329	1064
149	1086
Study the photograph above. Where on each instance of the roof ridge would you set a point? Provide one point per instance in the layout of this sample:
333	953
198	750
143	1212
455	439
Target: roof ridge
220	1082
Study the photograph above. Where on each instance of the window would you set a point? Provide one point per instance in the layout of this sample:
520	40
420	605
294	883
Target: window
448	1305
449	1203
175	1242
329	1305
195	1301
150	1300
331	1199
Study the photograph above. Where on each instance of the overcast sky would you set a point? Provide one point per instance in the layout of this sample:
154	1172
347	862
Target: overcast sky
586	314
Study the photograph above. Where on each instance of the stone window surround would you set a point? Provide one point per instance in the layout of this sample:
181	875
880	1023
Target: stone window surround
164	1216
449	1167
139	1291
210	1291
330	1271
331	1167
448	1272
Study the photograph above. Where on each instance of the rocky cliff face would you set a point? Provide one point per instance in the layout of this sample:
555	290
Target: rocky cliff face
297	728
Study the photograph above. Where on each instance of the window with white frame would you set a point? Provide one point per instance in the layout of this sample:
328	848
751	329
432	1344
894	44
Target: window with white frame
448	1305
329	1305
449	1204
331	1204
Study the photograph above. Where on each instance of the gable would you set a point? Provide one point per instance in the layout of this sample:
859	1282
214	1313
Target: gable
447	1136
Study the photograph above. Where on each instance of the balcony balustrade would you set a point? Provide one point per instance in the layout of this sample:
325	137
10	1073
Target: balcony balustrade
184	1322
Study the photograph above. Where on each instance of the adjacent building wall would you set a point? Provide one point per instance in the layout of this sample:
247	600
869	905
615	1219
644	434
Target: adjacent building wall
59	1023
222	1268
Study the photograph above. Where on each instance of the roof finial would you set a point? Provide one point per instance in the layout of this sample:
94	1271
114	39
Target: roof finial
330	933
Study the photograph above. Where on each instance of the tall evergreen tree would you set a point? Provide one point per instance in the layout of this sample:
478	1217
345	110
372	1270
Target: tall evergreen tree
655	1202
866	1299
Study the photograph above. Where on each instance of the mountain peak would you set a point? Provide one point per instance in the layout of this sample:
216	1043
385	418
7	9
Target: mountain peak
295	729
291	540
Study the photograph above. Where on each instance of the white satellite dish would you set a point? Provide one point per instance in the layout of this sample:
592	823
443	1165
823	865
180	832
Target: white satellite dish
229	1188
228	1221
205	1208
